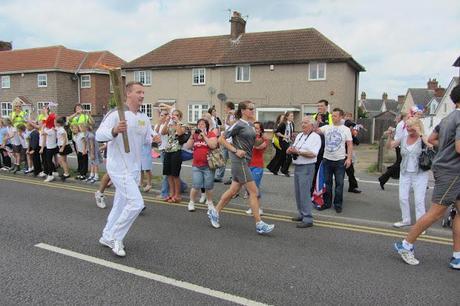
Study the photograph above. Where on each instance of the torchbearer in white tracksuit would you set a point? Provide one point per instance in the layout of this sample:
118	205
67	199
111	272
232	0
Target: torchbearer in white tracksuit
124	168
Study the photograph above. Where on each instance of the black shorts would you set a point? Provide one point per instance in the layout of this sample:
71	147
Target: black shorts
67	150
172	163
17	149
446	189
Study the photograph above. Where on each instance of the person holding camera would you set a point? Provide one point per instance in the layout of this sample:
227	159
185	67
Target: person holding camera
304	151
202	140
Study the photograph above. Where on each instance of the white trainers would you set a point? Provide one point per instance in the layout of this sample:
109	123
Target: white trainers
55	173
147	188
210	205
249	212
107	243
202	198
49	178
191	206
100	199
400	224
118	248
41	174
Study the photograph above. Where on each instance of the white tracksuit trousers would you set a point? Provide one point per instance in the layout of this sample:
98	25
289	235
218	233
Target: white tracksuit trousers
418	182
127	204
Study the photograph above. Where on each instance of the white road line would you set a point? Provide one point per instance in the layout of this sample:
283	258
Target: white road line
149	275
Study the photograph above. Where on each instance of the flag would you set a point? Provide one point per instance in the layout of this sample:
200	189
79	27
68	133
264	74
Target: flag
320	188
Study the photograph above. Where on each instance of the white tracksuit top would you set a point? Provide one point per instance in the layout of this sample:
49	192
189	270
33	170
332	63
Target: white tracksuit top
139	130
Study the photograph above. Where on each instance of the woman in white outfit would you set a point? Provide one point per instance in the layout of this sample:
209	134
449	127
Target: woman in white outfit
124	168
411	175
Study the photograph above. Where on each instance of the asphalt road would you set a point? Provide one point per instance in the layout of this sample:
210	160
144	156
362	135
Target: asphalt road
332	263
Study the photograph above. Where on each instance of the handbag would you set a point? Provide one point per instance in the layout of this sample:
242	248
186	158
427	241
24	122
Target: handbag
215	159
425	159
186	155
184	137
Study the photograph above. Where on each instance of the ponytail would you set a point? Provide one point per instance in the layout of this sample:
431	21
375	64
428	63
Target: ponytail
242	105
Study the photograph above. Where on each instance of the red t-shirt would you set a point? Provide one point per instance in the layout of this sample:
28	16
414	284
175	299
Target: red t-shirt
258	156
200	150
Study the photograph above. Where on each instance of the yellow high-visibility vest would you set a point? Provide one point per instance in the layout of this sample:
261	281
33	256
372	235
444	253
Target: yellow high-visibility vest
18	119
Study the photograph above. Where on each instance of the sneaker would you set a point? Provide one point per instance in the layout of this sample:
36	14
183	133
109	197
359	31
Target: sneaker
214	217
147	188
89	179
100	199
210	205
118	248
249	212
400	224
49	178
41	174
455	263
191	206
264	228
107	243
30	170
406	255
202	198
55	173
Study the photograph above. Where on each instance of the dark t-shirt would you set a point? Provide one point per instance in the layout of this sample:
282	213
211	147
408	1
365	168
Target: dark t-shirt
243	137
447	160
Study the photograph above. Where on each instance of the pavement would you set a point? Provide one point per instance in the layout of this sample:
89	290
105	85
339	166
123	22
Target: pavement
51	254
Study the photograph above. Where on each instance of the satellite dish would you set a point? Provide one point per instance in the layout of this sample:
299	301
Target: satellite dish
222	97
211	90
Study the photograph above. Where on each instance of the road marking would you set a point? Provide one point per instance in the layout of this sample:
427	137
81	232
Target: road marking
235	211
152	276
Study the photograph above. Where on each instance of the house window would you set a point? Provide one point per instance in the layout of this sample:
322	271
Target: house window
268	115
110	85
40	105
199	76
146	109
145	77
42	80
309	109
6	108
85	81
317	71
243	73
86	107
6	81
196	111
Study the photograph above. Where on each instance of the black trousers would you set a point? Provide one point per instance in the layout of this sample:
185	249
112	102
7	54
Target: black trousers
5	158
352	182
49	164
82	163
36	160
393	170
281	160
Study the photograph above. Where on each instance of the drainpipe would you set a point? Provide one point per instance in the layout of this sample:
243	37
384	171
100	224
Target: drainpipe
355	102
78	78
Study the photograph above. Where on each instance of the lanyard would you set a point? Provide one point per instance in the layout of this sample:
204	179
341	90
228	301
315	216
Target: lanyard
305	140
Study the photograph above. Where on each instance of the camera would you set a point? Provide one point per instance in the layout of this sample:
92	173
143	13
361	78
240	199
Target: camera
294	156
198	131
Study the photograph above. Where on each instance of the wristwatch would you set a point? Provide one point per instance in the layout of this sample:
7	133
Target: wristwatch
236	150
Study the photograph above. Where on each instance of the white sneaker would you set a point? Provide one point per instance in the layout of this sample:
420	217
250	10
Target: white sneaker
210	205
49	178
249	212
191	206
400	224
107	243
147	188
202	198
118	248
55	173
41	174
100	199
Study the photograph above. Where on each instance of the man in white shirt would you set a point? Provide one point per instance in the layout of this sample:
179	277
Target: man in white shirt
304	152
124	168
336	158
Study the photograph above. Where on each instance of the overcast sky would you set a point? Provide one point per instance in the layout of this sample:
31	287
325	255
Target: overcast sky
400	43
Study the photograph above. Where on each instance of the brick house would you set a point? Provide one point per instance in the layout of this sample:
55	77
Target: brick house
374	107
421	97
56	74
278	71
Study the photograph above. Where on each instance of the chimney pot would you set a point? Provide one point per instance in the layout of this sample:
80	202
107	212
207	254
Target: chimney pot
385	96
432	84
238	25
363	95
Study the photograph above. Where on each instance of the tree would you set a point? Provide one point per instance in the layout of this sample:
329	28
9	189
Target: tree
361	113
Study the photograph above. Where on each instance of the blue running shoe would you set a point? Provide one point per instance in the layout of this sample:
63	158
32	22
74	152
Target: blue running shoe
406	255
214	217
455	263
264	228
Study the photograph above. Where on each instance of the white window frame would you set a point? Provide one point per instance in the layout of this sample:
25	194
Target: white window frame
143	76
147	109
44	80
277	110
6	109
85	83
6	82
200	74
315	65
237	69
314	106
41	104
195	111
87	107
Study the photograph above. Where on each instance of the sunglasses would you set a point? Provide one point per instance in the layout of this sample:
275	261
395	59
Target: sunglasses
250	108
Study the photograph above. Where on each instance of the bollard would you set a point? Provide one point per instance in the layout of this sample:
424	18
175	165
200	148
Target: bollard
381	153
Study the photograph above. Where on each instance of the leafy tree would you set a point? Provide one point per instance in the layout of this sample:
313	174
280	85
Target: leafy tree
361	113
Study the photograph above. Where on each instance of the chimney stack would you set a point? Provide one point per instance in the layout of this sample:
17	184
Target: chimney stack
401	99
238	25
385	96
432	84
5	46
363	95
